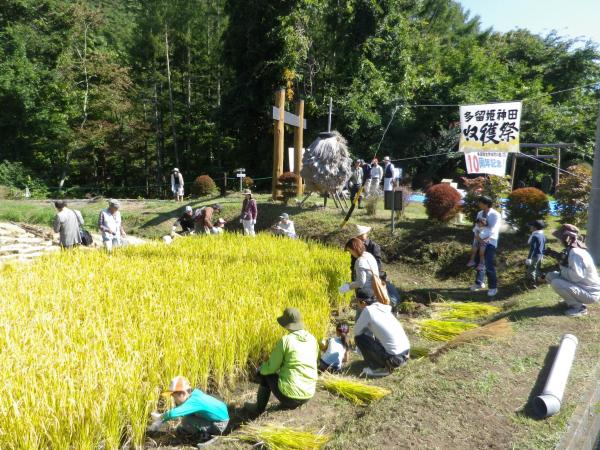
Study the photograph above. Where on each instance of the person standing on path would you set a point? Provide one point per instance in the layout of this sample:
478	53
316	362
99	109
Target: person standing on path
376	176
177	185
355	181
493	223
388	174
67	223
249	213
367	178
577	283
537	245
110	225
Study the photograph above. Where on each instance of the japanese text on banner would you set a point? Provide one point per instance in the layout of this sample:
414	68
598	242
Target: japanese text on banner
490	127
493	163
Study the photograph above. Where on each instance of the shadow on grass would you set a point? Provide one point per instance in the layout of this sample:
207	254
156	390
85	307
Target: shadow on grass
427	296
528	410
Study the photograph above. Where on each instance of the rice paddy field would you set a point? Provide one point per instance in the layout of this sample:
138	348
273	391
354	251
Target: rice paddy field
89	339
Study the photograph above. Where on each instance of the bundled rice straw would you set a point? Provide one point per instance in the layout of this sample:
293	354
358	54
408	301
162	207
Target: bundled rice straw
277	437
357	392
440	330
497	329
469	311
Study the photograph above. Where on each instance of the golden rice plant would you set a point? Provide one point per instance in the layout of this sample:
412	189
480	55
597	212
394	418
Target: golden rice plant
276	437
89	339
441	330
357	392
465	311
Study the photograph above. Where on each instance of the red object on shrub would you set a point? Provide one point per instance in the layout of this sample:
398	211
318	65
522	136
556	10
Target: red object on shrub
203	185
442	202
526	205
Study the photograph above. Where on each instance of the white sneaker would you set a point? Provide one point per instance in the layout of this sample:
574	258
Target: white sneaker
492	292
477	287
377	373
577	311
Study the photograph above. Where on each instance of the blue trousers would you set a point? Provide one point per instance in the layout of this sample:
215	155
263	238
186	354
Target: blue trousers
490	267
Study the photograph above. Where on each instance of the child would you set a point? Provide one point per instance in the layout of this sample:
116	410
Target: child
482	235
537	245
335	350
219	228
202	415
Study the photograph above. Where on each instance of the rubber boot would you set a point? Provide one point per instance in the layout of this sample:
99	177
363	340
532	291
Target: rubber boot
262	398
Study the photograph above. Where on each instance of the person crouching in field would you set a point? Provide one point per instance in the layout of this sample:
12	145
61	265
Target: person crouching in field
202	416
379	337
284	227
537	245
335	350
219	228
291	371
481	238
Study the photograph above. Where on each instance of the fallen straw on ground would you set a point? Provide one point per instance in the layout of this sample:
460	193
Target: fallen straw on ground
357	392
441	330
464	311
276	437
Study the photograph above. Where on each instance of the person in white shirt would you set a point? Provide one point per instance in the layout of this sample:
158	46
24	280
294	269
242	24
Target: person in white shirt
219	228
335	350
489	268
388	174
577	283
379	337
285	227
376	176
177	185
68	223
364	267
109	224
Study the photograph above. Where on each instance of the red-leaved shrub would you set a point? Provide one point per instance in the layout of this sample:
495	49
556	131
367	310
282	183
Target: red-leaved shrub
203	185
288	181
526	205
442	202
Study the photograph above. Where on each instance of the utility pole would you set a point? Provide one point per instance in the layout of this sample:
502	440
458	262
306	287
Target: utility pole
593	225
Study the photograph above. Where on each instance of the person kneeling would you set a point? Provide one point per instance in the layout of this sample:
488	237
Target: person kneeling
202	416
335	350
379	337
291	371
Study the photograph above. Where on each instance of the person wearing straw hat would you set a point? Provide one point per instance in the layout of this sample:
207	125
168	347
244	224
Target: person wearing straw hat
577	282
249	213
285	227
177	185
388	174
361	232
290	373
110	226
202	416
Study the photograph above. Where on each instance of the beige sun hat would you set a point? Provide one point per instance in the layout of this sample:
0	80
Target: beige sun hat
357	230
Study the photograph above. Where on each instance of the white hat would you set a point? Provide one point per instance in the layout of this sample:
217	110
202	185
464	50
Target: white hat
179	384
221	220
188	209
387	158
175	169
359	230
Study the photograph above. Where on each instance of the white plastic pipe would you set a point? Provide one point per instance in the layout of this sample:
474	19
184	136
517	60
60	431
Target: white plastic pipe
548	403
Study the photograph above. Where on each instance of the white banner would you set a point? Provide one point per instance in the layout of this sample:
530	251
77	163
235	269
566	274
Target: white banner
291	160
491	127
493	163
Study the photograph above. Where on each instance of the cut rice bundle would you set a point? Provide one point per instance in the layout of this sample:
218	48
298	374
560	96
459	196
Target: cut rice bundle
357	392
277	437
441	330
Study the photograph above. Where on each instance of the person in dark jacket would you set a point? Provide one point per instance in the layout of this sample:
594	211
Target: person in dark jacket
537	245
186	221
372	247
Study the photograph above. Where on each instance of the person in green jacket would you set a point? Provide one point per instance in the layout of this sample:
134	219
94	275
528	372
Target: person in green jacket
290	374
202	416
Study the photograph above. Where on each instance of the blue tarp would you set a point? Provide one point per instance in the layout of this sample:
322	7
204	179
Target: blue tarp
420	198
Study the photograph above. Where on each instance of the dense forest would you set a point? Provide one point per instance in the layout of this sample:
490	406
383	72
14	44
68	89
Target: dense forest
101	95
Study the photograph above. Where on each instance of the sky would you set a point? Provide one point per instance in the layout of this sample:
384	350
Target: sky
570	18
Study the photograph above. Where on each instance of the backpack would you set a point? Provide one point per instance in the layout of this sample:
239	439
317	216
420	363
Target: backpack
85	235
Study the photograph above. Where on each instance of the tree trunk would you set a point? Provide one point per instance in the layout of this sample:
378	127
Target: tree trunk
172	118
159	136
188	99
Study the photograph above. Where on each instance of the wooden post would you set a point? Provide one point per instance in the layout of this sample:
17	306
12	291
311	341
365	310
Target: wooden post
298	144
557	180
278	135
513	171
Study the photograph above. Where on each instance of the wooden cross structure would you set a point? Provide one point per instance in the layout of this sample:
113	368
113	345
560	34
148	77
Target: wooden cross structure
282	117
537	155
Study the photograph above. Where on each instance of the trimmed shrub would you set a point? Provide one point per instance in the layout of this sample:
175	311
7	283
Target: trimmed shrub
288	181
442	202
203	185
493	186
247	182
16	177
573	194
526	205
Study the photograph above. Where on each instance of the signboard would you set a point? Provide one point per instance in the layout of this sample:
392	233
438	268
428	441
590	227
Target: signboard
492	127
493	163
240	175
288	118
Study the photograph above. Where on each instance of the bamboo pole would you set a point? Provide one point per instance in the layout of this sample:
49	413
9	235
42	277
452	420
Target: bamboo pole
278	135
298	145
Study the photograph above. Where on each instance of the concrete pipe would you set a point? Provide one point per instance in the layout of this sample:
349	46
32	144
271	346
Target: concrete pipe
549	402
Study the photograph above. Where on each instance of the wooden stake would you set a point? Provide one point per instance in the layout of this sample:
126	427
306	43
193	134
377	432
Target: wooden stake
278	135
298	144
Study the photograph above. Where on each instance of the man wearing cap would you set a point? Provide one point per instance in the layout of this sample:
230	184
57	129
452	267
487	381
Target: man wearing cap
177	184
204	219
285	227
291	371
249	213
361	232
379	336
110	226
186	221
577	282
202	415
388	174
493	223
67	223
